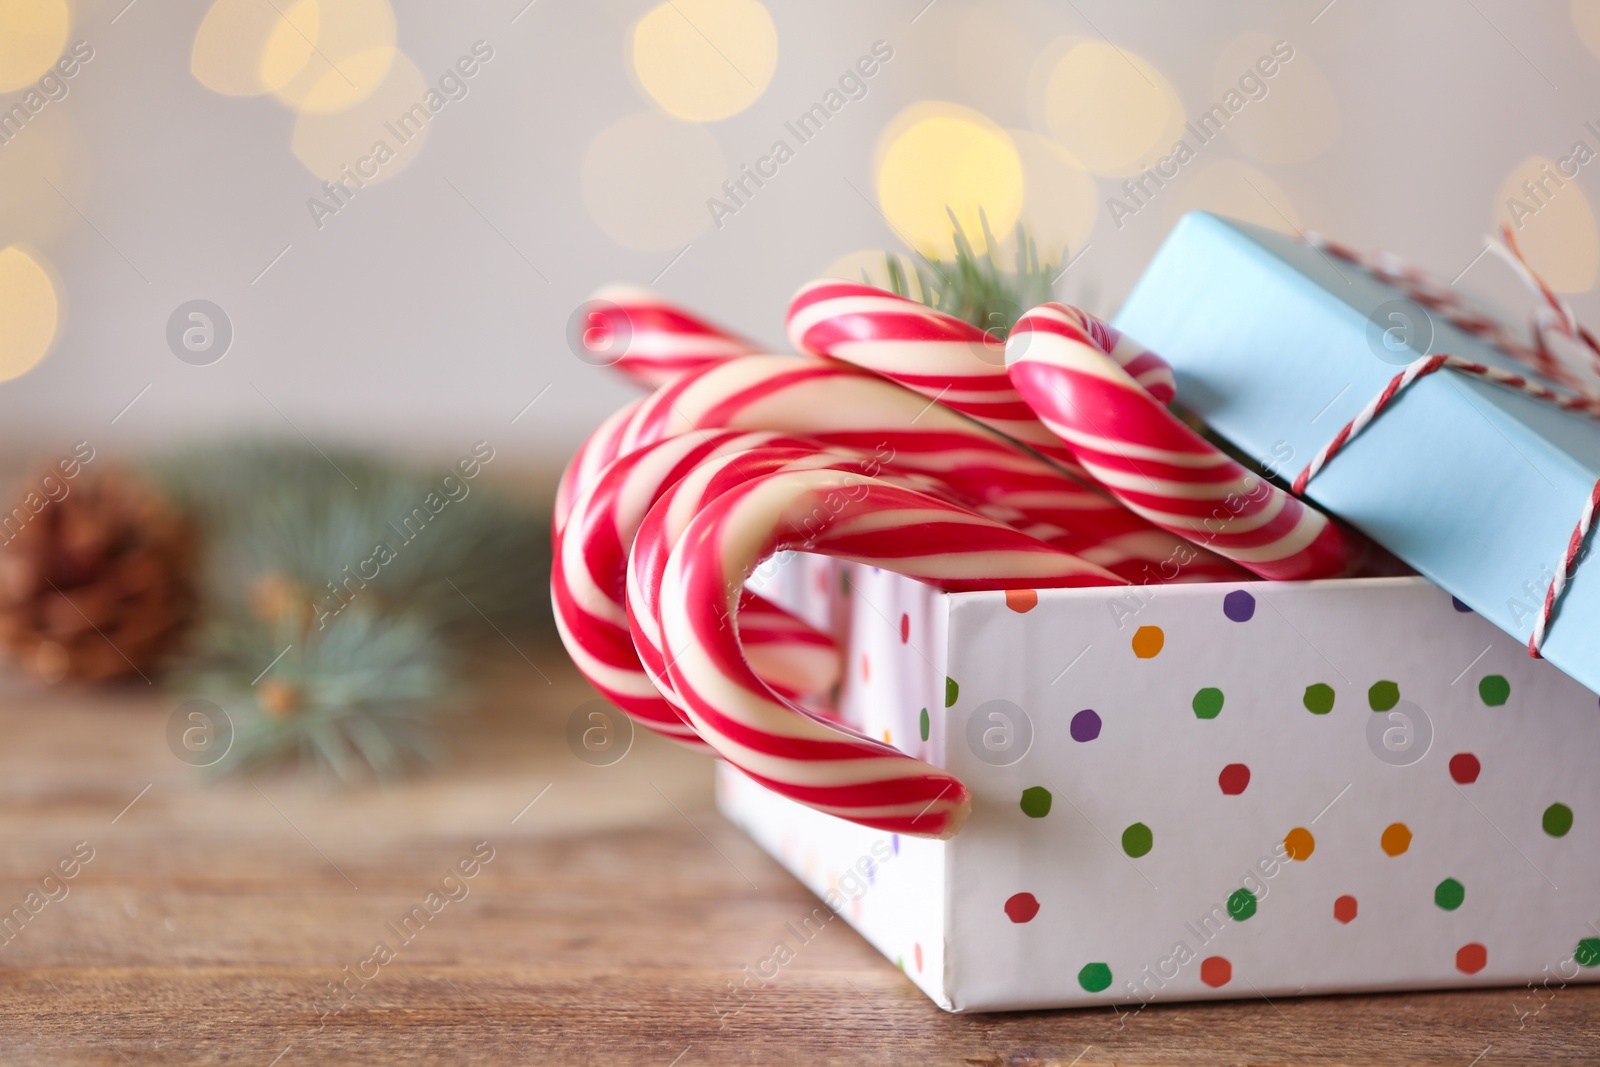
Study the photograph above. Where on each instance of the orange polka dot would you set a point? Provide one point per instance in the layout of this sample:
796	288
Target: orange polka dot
886	738
1021	600
1299	844
1147	641
1396	838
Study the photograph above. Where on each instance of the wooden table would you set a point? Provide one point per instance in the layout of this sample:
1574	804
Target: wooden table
617	908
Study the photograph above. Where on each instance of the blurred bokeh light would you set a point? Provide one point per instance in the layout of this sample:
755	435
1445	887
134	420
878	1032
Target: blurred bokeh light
32	35
704	60
1294	118
646	179
329	142
28	312
1553	223
247	47
1061	198
936	155
1109	107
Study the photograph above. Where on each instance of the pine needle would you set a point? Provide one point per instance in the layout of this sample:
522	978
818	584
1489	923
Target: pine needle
972	286
370	652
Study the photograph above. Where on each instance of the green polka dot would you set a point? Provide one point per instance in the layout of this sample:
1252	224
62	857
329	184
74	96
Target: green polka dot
900	962
1319	698
1036	802
1383	695
922	724
1494	689
1557	820
844	581
1137	840
1208	703
1242	905
1587	954
951	691
1095	977
1449	894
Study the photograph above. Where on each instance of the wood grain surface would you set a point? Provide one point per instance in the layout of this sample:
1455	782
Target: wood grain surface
215	917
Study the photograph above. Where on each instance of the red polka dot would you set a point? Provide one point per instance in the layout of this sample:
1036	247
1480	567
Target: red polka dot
866	669
1021	600
1344	909
1216	971
916	954
905	628
1465	768
1471	958
1233	779
1022	907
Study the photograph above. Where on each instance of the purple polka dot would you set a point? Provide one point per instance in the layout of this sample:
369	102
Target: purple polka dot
1456	603
1085	726
894	839
1239	606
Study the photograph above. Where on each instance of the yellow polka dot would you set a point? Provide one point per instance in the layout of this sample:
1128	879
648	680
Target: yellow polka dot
1147	641
1299	844
1396	838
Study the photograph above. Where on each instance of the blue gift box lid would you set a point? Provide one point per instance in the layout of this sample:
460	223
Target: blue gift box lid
1277	346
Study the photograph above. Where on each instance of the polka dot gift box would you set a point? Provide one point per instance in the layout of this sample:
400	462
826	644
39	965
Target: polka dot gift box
1204	791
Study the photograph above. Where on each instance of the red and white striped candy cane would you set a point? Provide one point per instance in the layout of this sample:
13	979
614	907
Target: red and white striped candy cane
764	642
947	359
589	580
778	743
1160	468
602	446
846	407
650	339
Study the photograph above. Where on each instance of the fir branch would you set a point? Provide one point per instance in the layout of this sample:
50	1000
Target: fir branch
357	698
375	592
972	286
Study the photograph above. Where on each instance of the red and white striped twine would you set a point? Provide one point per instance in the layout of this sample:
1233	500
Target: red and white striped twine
1539	357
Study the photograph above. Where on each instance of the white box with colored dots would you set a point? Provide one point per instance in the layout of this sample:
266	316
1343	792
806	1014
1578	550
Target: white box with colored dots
1197	791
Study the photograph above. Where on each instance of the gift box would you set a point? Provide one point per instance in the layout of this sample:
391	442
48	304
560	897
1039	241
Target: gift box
1201	791
1277	345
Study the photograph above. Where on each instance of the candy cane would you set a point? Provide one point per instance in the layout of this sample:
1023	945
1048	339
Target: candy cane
650	340
588	582
948	359
778	743
846	407
1160	468
593	456
712	477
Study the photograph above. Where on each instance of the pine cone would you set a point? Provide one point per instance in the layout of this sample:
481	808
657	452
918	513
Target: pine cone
97	584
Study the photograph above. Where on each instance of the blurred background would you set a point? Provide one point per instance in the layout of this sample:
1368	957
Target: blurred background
561	146
360	230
